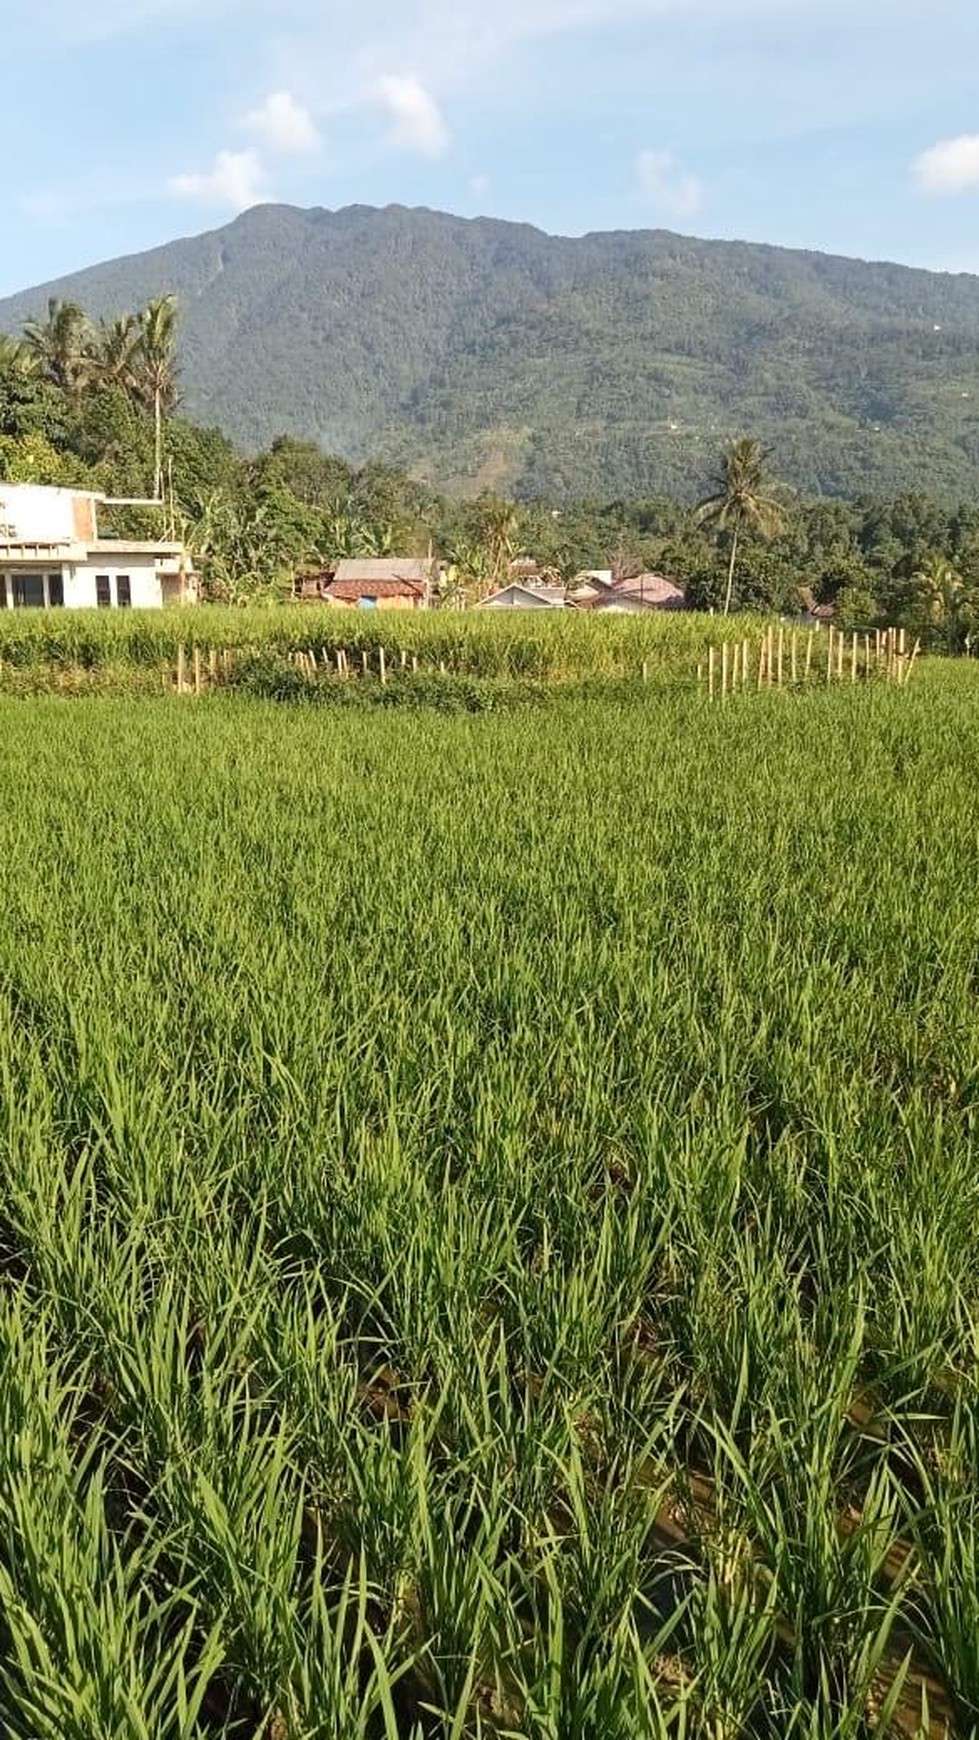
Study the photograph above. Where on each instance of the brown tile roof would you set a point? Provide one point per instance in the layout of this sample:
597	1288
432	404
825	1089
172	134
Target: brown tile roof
351	590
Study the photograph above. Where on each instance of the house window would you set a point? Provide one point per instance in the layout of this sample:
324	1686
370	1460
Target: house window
103	591
29	591
56	591
124	592
367	603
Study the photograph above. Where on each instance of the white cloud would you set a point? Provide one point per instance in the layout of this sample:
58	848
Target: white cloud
950	166
283	124
236	179
667	185
419	124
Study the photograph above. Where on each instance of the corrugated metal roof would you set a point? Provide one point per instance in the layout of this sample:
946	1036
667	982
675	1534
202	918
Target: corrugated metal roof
416	569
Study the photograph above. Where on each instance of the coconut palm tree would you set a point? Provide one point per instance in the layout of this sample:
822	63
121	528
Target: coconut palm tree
500	524
117	351
744	499
60	348
155	372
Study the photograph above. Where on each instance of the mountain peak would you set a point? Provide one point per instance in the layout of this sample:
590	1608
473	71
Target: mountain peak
486	354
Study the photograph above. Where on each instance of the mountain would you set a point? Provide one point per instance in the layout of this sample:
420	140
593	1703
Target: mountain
484	354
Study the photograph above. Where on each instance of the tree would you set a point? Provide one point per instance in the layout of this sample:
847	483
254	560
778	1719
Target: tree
117	352
61	348
155	372
500	524
743	500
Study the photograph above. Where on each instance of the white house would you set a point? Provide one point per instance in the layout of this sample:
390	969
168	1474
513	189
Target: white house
51	555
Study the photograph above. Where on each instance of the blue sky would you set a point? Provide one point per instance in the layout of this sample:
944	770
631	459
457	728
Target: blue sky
845	125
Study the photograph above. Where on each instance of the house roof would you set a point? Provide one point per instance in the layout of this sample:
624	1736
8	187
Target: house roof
135	547
652	589
521	596
416	569
383	587
601	597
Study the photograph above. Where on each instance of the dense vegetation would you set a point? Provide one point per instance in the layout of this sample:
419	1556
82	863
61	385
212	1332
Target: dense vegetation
96	405
485	355
489	1220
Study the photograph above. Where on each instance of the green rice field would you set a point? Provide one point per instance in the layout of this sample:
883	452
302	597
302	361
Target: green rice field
489	1216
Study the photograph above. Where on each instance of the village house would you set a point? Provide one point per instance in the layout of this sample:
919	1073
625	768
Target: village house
525	595
652	589
51	556
371	583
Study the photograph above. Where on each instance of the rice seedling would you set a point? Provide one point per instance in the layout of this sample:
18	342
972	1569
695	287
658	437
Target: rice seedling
487	1208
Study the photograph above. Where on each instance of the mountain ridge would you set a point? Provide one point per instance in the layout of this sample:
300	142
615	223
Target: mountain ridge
481	353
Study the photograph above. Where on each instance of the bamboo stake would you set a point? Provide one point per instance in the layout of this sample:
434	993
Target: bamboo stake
645	670
915	650
809	647
181	669
902	644
383	666
840	649
710	673
781	654
212	665
794	659
724	672
365	662
700	676
197	670
745	663
829	655
853	659
414	661
404	658
761	663
866	655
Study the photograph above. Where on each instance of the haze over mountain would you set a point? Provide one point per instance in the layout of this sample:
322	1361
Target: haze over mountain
484	354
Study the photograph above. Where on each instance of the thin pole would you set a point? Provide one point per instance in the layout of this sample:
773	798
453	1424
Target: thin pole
853	659
710	673
724	672
781	654
197	670
181	669
840	647
383	666
809	647
795	659
829	655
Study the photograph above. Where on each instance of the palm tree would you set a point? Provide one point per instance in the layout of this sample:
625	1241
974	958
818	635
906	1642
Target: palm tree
156	372
743	500
499	526
941	586
59	348
13	354
117	351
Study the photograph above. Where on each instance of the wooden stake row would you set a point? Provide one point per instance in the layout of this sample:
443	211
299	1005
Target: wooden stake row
781	664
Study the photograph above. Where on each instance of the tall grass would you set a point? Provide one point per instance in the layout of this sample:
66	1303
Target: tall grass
549	644
488	1219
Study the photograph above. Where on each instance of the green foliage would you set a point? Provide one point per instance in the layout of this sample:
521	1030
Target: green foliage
489	1222
487	356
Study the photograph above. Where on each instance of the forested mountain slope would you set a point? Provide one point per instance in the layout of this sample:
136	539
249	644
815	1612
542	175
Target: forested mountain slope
487	354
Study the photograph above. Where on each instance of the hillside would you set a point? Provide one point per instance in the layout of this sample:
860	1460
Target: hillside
487	354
